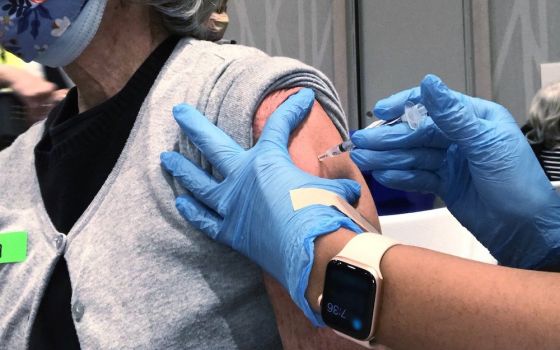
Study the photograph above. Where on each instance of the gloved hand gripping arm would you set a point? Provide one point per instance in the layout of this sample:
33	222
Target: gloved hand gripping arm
472	154
250	210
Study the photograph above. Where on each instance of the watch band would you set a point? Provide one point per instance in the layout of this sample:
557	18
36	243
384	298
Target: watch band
367	249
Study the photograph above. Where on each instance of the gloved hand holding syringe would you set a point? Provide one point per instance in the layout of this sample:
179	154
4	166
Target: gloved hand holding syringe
413	116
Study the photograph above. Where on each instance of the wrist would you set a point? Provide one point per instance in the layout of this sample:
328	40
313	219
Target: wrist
534	241
326	247
301	262
546	226
325	219
353	288
291	259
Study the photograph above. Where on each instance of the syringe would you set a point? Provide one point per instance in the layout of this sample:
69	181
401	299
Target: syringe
413	116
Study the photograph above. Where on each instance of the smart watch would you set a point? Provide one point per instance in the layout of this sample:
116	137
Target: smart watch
353	288
352	291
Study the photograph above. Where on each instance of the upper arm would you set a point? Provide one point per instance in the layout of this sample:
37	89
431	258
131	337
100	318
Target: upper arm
316	134
311	138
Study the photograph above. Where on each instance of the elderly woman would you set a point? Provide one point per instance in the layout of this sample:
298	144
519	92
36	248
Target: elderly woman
543	129
110	263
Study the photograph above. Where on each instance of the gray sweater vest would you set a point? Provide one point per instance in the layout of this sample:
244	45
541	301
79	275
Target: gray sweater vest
142	277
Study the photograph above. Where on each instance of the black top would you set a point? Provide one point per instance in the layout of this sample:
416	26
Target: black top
551	163
73	159
549	159
537	147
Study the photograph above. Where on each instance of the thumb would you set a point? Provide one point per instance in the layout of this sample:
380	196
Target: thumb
450	111
393	106
287	117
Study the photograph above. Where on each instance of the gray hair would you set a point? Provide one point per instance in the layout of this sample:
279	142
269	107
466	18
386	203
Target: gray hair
544	117
186	17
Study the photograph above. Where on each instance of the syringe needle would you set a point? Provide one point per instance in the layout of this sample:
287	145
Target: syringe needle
336	150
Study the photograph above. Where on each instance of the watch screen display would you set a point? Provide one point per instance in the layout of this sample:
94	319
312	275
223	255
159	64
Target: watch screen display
348	299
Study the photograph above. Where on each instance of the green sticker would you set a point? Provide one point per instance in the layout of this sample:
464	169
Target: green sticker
13	247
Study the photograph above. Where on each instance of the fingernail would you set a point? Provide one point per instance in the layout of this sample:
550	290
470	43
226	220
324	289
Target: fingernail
184	206
181	109
434	84
307	92
164	156
166	159
380	108
432	78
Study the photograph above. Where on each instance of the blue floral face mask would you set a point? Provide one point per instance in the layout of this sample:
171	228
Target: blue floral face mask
52	32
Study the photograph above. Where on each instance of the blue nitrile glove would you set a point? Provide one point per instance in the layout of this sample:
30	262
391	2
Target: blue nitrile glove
251	210
472	154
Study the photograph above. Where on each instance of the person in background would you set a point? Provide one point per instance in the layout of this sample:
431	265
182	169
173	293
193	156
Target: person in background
26	96
543	129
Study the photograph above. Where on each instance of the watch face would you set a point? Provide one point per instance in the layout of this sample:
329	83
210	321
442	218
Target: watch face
348	299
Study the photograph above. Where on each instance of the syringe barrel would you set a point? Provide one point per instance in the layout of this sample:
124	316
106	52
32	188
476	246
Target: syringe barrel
414	114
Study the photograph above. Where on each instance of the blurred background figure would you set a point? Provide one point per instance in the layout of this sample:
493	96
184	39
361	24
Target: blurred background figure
543	129
27	92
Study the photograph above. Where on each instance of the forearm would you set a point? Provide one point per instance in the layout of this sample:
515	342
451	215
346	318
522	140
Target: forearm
436	301
326	247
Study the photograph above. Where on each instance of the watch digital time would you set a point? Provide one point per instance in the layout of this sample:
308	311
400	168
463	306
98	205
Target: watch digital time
353	288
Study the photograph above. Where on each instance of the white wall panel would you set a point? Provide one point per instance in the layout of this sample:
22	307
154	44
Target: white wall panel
524	34
402	41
